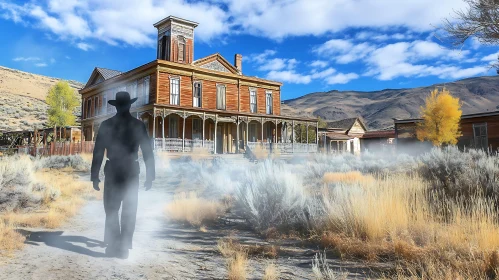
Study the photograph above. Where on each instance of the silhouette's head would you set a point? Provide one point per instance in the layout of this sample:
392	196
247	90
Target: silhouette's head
122	101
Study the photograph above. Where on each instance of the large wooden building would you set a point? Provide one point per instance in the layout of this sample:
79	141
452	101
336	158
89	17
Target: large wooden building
479	131
187	103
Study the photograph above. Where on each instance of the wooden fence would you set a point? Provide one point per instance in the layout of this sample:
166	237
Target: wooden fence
59	148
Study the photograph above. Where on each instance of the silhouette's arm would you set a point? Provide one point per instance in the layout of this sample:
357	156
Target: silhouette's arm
98	155
147	153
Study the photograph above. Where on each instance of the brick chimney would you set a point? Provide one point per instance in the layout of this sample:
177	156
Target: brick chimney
238	63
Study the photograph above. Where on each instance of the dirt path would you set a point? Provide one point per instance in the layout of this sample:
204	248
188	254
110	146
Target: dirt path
162	250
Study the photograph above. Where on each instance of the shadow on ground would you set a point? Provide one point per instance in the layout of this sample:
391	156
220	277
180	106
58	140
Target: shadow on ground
70	243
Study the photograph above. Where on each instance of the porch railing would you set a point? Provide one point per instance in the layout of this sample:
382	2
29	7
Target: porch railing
178	145
284	148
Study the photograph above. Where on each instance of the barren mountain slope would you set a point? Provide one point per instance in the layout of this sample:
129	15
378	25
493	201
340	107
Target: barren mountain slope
379	107
22	98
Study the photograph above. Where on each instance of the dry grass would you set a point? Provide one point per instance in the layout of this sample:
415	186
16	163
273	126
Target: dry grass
347	177
10	239
236	257
87	157
260	153
271	272
187	207
393	219
54	212
200	153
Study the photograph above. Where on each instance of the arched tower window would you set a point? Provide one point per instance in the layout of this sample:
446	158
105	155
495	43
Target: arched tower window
181	48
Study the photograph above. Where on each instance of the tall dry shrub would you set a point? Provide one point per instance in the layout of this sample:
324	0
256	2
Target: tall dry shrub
461	173
272	196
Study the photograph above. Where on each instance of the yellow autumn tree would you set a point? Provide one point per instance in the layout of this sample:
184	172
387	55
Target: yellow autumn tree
441	115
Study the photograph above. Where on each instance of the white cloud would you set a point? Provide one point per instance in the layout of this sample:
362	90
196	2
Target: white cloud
289	76
406	60
284	70
343	51
319	63
84	46
491	57
127	21
42	64
341	78
400	59
278	19
52	60
323	74
31	58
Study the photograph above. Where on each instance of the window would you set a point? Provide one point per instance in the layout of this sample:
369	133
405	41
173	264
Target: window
104	103
268	98
88	112
480	135
196	95
181	49
175	91
96	105
221	97
132	89
252	132
197	129
146	90
253	100
173	126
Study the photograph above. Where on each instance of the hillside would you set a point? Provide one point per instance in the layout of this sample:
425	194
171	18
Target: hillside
22	99
379	107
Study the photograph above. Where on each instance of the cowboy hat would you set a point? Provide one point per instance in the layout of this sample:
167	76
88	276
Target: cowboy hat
122	99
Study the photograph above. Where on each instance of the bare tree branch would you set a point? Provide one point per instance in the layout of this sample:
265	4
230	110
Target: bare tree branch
480	20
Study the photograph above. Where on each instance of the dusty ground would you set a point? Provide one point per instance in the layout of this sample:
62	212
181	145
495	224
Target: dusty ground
162	250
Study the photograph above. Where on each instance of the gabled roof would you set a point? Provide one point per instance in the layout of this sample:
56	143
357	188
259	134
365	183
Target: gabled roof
101	74
345	124
216	58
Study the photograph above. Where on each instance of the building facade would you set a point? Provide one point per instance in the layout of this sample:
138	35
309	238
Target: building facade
478	131
187	103
342	136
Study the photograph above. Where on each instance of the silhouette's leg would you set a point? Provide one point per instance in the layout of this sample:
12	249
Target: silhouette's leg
129	213
112	202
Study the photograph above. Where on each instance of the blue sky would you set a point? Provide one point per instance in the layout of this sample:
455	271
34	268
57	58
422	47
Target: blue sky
309	45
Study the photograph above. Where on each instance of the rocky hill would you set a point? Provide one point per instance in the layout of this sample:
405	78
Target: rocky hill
22	99
378	108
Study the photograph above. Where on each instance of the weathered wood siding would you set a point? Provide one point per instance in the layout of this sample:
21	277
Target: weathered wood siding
237	97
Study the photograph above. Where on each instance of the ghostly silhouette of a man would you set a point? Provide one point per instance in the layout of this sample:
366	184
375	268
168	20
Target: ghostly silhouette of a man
121	136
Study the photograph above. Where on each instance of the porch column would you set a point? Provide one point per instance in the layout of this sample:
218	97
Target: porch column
308	142
163	132
275	136
154	127
317	135
247	133
204	118
215	136
262	129
237	136
183	133
293	136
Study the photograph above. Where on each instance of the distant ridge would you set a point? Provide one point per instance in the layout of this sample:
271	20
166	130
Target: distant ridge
378	108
